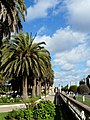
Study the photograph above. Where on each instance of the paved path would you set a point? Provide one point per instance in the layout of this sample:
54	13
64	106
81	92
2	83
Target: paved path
8	108
50	97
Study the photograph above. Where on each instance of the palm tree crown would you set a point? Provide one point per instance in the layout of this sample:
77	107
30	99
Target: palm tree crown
23	57
10	13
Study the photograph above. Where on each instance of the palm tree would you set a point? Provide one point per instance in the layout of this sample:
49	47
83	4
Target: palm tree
88	81
41	65
22	57
49	77
10	13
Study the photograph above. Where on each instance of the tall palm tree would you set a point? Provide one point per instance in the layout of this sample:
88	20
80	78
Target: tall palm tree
88	81
10	13
22	57
41	63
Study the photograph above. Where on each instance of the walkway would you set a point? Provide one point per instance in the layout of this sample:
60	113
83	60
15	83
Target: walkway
62	113
7	108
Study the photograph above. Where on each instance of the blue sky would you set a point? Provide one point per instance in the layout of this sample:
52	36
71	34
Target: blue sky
65	27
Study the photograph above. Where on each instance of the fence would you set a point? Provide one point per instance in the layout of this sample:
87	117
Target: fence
79	110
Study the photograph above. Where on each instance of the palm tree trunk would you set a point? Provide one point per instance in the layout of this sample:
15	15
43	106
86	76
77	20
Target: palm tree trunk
39	88
34	88
24	88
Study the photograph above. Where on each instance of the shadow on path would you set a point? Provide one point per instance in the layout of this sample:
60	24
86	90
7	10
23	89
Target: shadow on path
63	112
58	114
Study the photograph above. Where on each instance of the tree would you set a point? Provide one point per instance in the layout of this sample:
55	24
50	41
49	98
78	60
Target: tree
82	82
88	81
83	89
73	88
42	64
10	13
65	88
24	58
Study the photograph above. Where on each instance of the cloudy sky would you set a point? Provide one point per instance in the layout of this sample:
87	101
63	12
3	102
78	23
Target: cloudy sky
64	25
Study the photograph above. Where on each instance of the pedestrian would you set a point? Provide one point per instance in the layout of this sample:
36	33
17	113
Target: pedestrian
57	98
74	97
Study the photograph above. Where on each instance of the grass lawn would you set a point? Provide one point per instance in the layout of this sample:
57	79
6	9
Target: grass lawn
87	100
2	115
19	102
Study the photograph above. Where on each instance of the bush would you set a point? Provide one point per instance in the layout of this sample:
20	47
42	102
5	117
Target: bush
83	89
65	89
6	99
44	110
23	114
73	88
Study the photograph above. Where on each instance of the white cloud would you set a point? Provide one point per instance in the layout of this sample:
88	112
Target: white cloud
40	9
66	39
70	60
67	66
63	39
70	52
88	63
78	14
64	78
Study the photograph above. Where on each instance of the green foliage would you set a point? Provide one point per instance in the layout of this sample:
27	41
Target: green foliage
23	114
44	110
82	82
3	115
73	88
86	102
7	100
10	100
65	88
32	100
83	89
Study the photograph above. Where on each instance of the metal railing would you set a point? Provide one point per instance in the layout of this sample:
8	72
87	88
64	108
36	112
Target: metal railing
81	111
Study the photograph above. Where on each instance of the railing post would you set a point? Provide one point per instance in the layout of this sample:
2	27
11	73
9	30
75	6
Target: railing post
83	98
81	111
83	115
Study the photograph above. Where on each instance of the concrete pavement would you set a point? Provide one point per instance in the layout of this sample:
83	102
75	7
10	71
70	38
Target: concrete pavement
8	108
50	97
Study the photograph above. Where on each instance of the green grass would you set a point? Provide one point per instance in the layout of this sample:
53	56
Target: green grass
22	101
80	99
2	115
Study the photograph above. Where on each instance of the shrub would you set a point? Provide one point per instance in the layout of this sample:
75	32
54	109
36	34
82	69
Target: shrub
65	88
73	88
44	110
6	99
83	89
23	114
